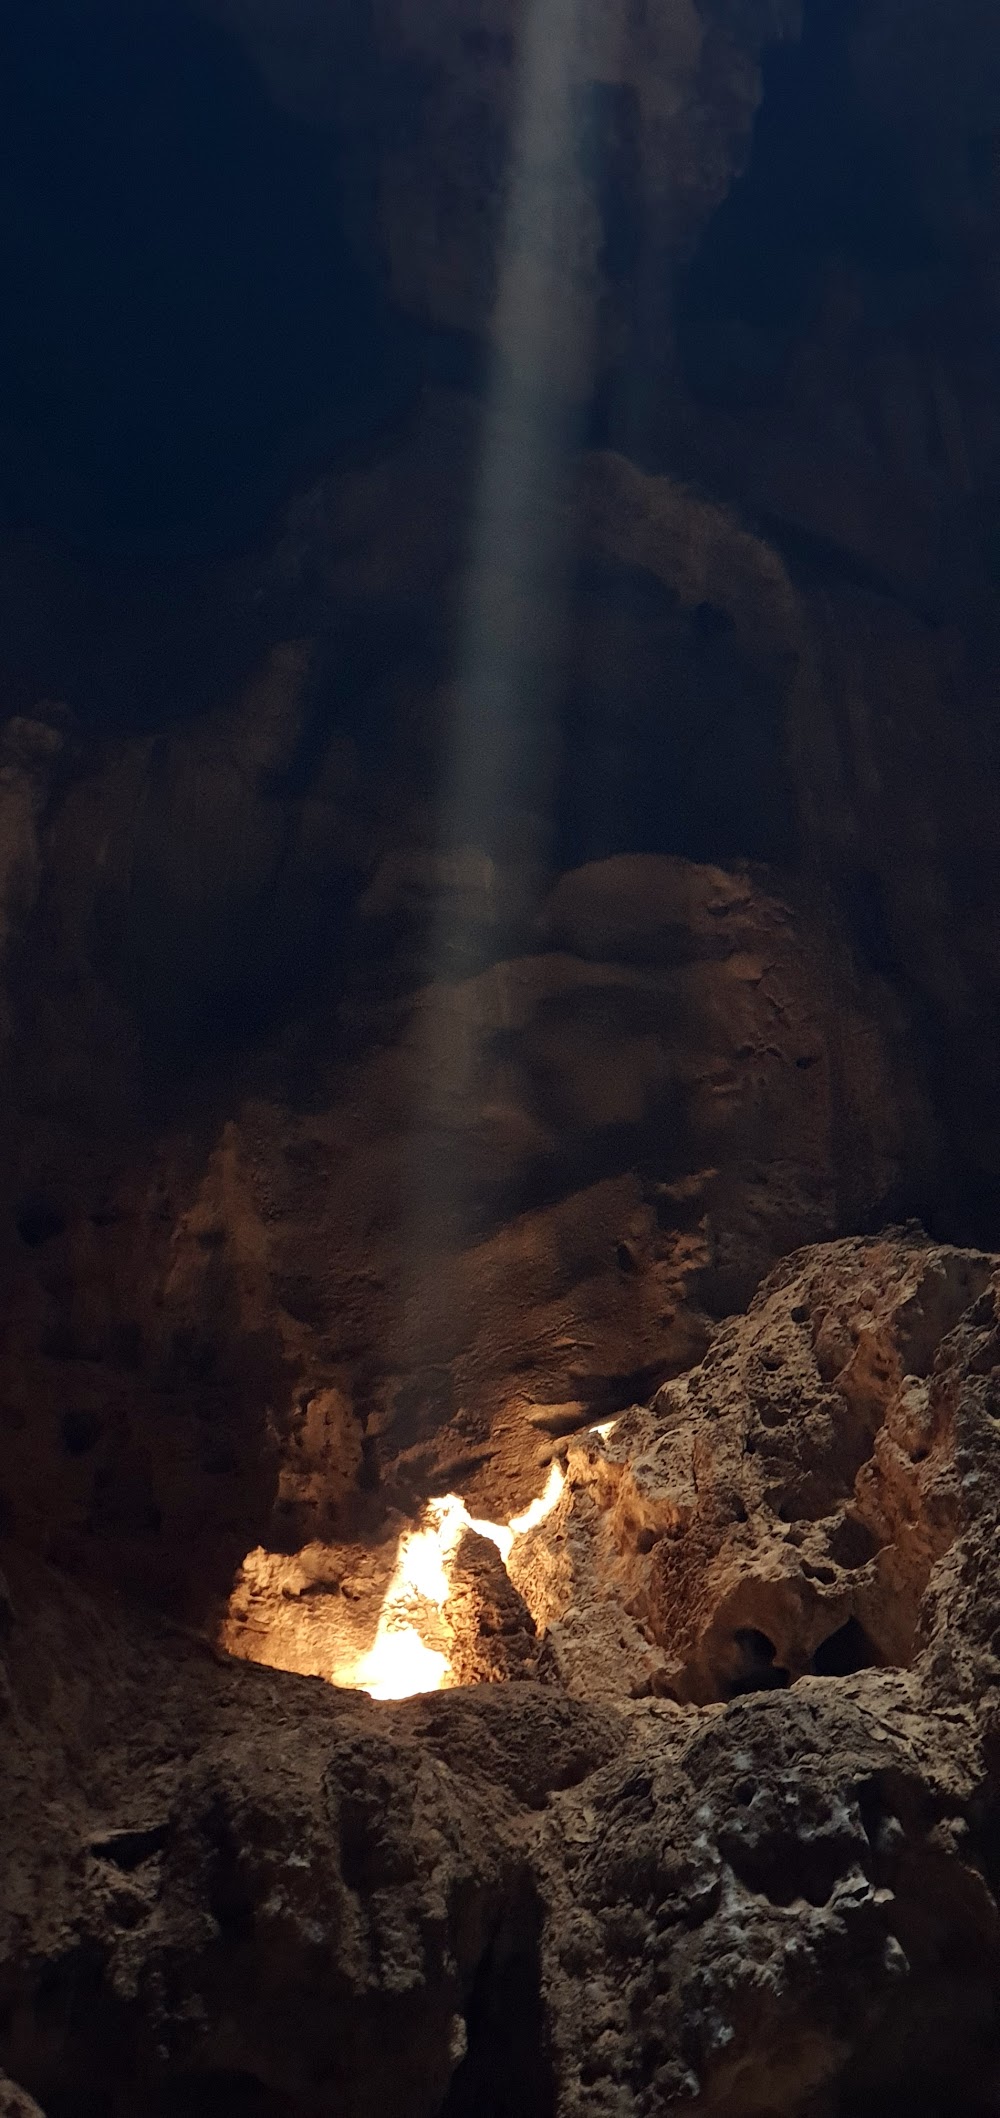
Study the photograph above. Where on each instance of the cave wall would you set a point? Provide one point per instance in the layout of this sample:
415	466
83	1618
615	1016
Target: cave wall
242	937
616	114
314	1213
365	1139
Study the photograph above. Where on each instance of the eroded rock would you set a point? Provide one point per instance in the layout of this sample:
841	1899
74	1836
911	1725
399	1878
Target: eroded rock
514	1897
779	1512
517	1208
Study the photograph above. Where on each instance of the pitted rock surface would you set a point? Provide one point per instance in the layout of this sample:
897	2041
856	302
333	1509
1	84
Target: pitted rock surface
513	1206
752	1897
779	1512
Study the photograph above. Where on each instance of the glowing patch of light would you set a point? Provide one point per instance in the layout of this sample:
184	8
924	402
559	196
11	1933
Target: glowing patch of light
421	1568
606	1428
503	1536
398	1666
543	1506
401	1661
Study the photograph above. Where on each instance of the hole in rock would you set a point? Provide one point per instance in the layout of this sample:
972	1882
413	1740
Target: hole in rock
507	2066
846	1651
852	1543
128	1850
752	1665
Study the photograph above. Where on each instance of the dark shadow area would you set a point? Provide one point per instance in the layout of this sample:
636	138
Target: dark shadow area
129	643
39	1222
222	2095
823	183
183	321
752	1666
200	984
673	740
936	2054
203	2095
852	1544
507	2069
845	1652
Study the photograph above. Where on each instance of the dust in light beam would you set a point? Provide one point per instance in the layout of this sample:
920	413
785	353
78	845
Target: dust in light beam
520	564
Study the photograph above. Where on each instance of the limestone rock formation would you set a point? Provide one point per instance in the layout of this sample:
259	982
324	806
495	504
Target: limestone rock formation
481	958
229	873
346	1169
809	1480
521	1202
14	2103
774	1891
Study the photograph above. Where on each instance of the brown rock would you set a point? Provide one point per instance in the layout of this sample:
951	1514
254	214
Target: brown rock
780	1511
513	1211
496	1639
511	1896
14	2103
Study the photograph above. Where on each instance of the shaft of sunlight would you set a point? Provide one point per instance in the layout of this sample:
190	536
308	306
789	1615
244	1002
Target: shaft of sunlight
497	775
511	624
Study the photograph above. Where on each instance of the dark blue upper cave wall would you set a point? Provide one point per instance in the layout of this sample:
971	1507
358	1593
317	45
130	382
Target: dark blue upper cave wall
181	313
823	182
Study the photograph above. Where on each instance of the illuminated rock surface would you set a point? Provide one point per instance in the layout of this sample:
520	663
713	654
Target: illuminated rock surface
282	1896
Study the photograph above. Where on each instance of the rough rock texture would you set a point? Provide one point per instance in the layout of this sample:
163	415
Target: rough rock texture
223	876
778	1512
345	1169
364	1139
837	384
14	2103
518	1206
261	1895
